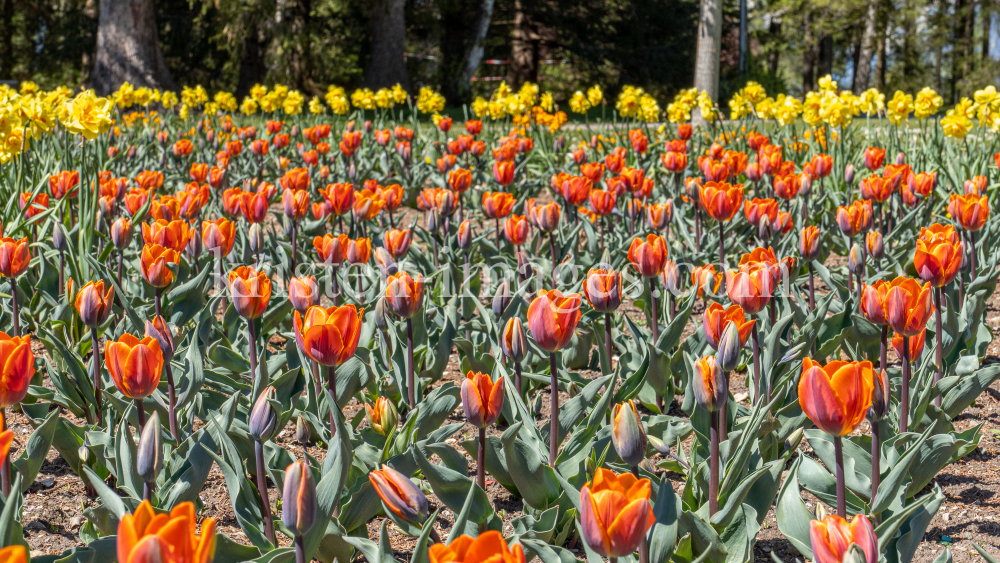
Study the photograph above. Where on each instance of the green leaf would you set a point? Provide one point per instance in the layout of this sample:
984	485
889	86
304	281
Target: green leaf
31	459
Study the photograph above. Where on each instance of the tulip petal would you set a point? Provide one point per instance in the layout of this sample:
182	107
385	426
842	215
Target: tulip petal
629	527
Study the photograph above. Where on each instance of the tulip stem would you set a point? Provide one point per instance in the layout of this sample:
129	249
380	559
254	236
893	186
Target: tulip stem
883	359
938	352
755	340
465	280
156	302
481	460
265	503
697	228
300	548
713	464
876	460
972	255
410	392
608	344
253	351
838	452
172	402
904	395
812	286
722	246
331	384
517	378
295	247
317	388
62	269
850	273
554	409
654	324
5	469
140	413
147	491
13	306
97	377
552	250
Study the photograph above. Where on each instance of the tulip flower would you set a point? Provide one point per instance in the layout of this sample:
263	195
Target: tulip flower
382	417
153	264
135	366
648	257
970	211
93	304
716	319
874	157
938	261
17	367
400	497
15	256
303	293
908	306
263	426
482	399
488	547
873	306
627	435
836	397
831	537
615	513
404	296
503	172
329	337
397	242
298	504
147	536
552	320
516	229
512	344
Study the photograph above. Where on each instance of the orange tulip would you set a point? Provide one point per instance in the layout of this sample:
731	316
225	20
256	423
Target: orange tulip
93	303
339	196
250	291
939	231
516	229
593	170
173	234
756	209
153	264
602	202
969	210
460	179
482	398
938	260
253	206
786	186
873	302
295	203
295	179
716	319
659	214
148	537
497	205
367	205
916	344
15	255
751	287
832	536
17	367
615	513
332	250
359	250
33	205
397	242
711	388
576	189
874	157
135	365
61	185
603	289
329	336
404	295
809	242
721	200
855	218
218	236
12	553
704	278
923	183
503	172
303	293
836	396
399	494
648	256
675	162
392	195
488	547
544	216
552	319
876	188
908	305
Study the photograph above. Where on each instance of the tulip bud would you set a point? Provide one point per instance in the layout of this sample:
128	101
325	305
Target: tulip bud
104	210
512	340
501	299
465	235
627	434
856	260
83	452
524	266
764	230
298	510
302	432
793	440
59	241
383	417
149	458
880	396
352	172
805	184
559	143
728	356
849	174
875	245
401	497
160	331
381	314
431	220
384	261
256	237
194	247
900	158
264	416
121	233
711	389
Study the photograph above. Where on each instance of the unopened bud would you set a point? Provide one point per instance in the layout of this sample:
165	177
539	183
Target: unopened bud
764	230
298	510
352	172
501	299
256	236
264	416
384	261
59	237
849	174
856	260
875	245
900	158
382	417
121	233
728	355
524	266
381	314
880	396
302	432
793	440
83	452
431	222
465	235
160	331
627	434
149	458
194	247
512	340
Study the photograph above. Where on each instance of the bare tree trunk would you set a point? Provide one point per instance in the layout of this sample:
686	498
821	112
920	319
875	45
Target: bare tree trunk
910	56
957	51
7	44
463	32
940	22
880	64
128	47
386	67
474	51
968	47
825	55
808	55
523	49
252	69
706	66
774	29
986	21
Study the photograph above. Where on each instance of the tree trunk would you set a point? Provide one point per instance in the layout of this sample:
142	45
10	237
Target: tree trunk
706	66
941	23
128	48
7	44
523	49
957	50
462	46
252	69
968	47
808	55
986	21
773	56
880	65
386	68
910	56
826	55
